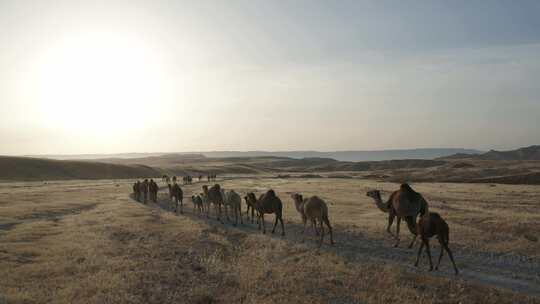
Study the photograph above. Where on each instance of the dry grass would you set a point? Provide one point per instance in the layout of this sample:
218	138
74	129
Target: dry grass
88	242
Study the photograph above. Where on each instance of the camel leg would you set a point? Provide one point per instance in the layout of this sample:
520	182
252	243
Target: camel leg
181	207
419	254
282	225
428	253
322	233
314	226
240	214
451	257
327	221
397	231
390	222
252	213
275	224
441	242
262	221
304	220
413	241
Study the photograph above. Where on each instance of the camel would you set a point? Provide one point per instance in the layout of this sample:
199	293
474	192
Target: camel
205	203
233	201
197	203
136	186
403	203
270	203
153	189
176	192
213	196
250	203
429	226
144	189
314	209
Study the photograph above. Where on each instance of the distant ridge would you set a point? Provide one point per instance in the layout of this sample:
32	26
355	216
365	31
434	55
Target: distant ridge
35	169
353	156
526	153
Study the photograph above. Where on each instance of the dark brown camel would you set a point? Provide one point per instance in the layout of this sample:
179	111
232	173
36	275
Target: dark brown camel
213	196
250	199
270	203
429	226
176	192
314	209
403	203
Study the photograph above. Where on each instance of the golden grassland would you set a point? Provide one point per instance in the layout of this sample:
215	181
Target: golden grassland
90	242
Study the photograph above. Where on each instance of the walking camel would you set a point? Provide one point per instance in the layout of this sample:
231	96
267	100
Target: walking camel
213	196
176	192
197	203
429	226
404	203
250	199
313	209
232	201
270	203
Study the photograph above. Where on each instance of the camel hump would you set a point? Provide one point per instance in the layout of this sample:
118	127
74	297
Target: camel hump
408	192
407	187
271	193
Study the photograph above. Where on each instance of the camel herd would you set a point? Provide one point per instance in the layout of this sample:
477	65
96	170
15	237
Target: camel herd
405	203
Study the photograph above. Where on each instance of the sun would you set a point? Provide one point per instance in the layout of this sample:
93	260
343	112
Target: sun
96	81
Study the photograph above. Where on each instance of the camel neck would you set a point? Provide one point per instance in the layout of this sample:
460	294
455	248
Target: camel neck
381	205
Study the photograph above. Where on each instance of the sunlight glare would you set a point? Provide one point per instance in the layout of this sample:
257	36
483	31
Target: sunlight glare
99	81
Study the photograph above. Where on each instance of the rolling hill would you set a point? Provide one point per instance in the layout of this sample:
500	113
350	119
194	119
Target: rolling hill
351	156
34	169
526	153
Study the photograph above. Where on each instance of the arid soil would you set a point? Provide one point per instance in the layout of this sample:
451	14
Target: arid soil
90	242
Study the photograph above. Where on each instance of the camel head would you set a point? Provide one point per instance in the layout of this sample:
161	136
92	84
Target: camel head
374	194
297	197
298	201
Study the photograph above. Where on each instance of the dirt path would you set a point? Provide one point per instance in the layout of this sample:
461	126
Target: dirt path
517	273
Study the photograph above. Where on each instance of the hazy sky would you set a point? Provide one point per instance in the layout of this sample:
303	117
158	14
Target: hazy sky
142	76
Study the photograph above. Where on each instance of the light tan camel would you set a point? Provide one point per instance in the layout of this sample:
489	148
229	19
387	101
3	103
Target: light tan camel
232	201
403	203
270	203
197	203
313	209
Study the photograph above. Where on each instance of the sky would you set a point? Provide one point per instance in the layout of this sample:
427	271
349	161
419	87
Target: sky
169	76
